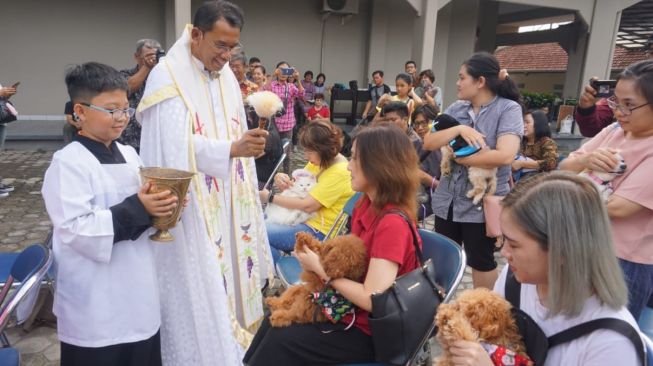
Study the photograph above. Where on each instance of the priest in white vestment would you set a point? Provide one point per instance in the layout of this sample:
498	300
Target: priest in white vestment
193	119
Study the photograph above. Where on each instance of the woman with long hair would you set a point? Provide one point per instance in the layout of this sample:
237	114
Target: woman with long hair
388	180
558	245
490	114
539	152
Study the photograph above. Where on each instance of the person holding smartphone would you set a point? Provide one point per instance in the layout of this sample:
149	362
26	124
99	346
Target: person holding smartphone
593	114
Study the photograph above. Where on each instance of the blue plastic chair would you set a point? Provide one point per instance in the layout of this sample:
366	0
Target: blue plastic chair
288	267
449	260
7	260
29	268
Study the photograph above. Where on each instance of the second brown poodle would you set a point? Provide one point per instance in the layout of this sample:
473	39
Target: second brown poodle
478	315
341	257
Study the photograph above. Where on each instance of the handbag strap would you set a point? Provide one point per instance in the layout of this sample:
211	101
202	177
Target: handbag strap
402	214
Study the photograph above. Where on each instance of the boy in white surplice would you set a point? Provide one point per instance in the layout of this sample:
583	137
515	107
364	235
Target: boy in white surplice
106	298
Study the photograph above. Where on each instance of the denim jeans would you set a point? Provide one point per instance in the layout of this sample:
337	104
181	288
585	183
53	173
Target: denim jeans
639	280
282	237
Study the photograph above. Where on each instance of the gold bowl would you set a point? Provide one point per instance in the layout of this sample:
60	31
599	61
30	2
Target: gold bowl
177	182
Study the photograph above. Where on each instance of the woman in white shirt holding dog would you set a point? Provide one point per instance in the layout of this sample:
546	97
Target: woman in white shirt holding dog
558	245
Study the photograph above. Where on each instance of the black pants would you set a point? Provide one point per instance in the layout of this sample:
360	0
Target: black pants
306	344
141	353
479	248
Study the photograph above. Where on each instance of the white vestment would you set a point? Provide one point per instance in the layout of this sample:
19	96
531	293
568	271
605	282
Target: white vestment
212	273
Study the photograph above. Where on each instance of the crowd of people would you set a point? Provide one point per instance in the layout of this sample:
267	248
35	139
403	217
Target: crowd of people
122	300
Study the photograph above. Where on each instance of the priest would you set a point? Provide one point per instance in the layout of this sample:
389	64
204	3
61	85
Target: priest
210	276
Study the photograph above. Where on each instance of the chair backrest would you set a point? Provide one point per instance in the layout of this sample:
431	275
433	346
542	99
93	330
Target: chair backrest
448	257
341	220
29	268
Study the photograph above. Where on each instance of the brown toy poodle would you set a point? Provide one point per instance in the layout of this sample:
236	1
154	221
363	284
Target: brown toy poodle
341	257
478	315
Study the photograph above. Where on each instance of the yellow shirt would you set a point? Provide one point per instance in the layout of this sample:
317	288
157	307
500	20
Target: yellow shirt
333	190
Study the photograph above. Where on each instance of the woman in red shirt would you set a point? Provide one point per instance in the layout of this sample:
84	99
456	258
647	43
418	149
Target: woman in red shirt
388	179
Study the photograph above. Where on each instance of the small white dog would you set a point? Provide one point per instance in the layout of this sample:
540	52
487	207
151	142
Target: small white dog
484	181
304	182
602	180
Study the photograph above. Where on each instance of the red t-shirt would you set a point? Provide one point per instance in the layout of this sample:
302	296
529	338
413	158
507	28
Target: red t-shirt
323	112
390	238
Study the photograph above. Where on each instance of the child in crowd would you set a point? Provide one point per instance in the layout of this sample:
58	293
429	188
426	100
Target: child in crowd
106	298
405	94
318	112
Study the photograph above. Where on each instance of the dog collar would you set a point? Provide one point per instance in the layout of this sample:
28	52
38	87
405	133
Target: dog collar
596	179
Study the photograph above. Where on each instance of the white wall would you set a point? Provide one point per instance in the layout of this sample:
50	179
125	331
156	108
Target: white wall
40	38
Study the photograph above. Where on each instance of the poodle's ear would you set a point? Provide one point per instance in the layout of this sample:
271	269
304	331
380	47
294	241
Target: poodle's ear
344	256
444	313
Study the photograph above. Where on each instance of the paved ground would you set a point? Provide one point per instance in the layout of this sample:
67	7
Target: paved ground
23	221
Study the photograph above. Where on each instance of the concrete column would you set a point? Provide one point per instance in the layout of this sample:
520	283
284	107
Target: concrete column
574	73
182	15
378	38
604	25
462	23
487	24
424	34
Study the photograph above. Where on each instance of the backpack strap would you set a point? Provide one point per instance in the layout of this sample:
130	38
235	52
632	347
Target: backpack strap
512	289
620	326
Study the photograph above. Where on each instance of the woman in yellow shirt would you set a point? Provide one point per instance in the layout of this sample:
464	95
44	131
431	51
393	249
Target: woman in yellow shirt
321	142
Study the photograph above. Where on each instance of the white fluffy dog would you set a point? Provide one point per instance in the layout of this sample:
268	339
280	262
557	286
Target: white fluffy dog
602	180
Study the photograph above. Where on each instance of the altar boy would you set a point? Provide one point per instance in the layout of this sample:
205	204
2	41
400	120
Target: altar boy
106	298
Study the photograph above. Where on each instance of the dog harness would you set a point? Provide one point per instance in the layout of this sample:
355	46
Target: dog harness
502	356
333	305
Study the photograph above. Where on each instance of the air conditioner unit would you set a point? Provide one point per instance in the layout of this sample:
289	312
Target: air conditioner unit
340	6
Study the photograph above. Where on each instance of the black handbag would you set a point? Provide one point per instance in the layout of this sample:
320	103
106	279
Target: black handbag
6	114
403	316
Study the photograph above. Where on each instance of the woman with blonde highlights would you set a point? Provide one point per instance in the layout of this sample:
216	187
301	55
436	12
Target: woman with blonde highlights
384	168
558	245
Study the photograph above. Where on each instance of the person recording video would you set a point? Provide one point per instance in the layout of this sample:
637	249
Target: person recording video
147	55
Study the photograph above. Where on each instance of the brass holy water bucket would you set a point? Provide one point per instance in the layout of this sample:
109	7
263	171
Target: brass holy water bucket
177	182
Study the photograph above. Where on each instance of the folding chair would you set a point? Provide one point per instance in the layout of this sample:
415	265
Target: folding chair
7	260
449	260
29	268
288	267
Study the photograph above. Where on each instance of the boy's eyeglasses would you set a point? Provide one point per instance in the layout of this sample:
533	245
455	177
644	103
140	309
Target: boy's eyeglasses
626	111
116	114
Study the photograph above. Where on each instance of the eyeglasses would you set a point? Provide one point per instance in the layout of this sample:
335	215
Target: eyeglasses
116	114
626	111
224	48
420	123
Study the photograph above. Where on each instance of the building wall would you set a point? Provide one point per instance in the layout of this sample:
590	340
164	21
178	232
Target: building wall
540	82
40	38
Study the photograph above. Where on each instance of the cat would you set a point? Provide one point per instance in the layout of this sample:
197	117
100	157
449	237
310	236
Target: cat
304	182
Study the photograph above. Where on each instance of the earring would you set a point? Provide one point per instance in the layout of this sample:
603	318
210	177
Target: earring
75	117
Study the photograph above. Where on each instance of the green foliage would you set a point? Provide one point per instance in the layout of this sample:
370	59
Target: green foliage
538	100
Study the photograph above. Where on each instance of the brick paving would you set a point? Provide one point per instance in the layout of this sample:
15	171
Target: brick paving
23	221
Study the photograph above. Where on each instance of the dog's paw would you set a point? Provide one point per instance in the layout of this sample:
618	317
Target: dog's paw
279	320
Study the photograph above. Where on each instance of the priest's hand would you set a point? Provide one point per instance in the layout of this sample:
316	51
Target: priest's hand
252	144
158	204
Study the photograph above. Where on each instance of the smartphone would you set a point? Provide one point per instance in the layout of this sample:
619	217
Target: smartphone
287	71
604	88
16	84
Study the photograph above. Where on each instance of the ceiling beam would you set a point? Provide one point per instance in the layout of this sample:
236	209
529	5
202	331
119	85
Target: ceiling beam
539	13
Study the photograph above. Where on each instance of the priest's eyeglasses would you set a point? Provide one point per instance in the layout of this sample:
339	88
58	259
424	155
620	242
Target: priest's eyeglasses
625	110
224	48
116	114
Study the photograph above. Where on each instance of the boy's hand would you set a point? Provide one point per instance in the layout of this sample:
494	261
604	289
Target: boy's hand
160	204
